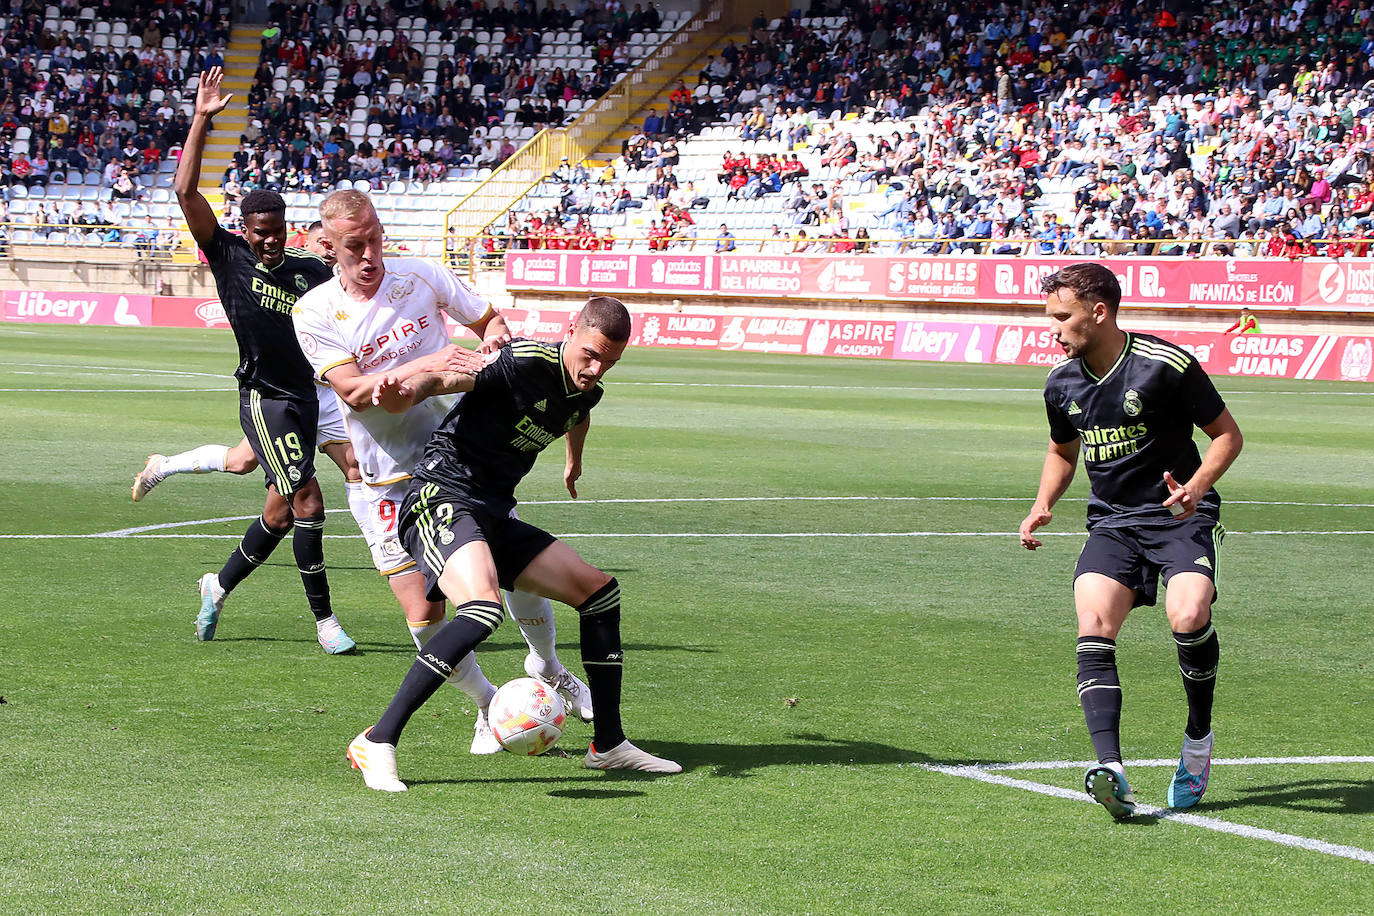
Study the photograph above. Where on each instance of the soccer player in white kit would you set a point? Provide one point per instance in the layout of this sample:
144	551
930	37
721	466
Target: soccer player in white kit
387	317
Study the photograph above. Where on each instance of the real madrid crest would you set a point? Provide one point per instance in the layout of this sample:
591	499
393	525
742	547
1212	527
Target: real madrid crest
301	284
1132	404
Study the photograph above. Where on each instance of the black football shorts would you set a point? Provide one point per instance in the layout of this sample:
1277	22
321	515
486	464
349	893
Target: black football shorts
436	522
281	432
1139	555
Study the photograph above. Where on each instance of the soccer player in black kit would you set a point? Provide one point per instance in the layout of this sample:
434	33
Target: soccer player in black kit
456	521
1128	404
259	279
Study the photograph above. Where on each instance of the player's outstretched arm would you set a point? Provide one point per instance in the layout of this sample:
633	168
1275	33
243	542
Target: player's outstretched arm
200	216
1061	460
1221	453
355	389
396	396
575	440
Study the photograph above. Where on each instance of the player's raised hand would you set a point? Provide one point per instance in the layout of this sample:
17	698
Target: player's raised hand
392	395
1038	518
1181	502
208	100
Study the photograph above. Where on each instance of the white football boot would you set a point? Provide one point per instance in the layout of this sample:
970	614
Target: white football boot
484	741
149	477
377	762
625	756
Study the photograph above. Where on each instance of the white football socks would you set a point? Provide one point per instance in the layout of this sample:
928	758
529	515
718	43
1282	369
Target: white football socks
358	504
201	460
422	633
534	616
468	677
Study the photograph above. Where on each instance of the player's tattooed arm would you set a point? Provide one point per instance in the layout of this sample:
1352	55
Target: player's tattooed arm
395	395
452	358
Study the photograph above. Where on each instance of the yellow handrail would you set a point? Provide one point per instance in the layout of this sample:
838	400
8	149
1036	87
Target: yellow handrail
538	158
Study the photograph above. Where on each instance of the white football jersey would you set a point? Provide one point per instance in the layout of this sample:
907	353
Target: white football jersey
402	322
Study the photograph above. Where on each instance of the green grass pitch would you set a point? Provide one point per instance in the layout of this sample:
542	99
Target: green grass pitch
803	630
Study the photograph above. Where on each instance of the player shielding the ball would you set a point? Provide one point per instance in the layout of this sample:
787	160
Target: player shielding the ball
456	521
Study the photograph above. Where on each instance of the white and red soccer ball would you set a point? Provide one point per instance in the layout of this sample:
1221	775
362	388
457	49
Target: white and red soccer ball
527	716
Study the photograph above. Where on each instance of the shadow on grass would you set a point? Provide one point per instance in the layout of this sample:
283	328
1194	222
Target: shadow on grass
1320	796
735	761
594	794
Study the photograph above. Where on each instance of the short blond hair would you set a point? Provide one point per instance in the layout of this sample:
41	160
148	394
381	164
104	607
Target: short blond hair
345	204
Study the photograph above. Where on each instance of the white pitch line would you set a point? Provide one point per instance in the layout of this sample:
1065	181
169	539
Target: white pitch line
124	532
83	367
924	499
1173	762
141	529
981	774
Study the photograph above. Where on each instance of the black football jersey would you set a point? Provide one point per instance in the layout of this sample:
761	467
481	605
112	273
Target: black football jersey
258	303
521	403
1135	423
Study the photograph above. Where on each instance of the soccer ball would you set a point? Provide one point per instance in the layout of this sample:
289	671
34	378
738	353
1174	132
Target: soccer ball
527	716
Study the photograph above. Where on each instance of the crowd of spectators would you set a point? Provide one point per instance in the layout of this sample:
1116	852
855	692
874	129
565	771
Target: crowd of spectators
73	104
1246	124
436	112
1030	127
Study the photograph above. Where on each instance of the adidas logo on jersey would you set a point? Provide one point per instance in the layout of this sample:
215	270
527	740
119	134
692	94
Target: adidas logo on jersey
1203	562
542	404
1074	409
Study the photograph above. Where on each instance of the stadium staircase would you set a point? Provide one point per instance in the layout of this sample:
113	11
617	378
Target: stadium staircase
607	152
240	64
599	129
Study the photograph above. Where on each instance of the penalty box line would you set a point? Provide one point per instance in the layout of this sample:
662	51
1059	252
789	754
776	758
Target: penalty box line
985	774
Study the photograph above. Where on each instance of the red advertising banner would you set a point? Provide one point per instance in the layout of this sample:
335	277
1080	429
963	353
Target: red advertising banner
1325	356
1330	357
48	307
188	312
1337	285
1163	282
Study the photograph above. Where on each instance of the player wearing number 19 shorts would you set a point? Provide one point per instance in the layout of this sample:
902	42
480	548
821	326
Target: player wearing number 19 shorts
258	280
386	317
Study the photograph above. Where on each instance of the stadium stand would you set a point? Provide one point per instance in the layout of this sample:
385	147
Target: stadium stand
96	101
872	126
997	128
418	109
